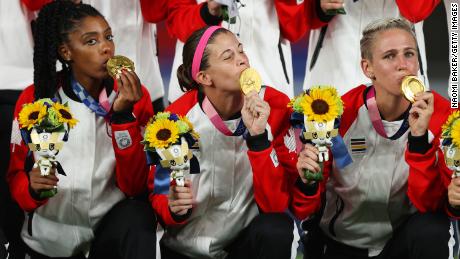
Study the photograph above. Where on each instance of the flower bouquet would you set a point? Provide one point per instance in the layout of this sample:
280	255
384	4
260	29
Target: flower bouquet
168	140
45	125
451	142
317	112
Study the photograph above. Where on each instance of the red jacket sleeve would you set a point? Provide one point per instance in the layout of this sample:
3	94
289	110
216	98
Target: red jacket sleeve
184	18
296	19
303	205
160	202
274	169
17	177
154	11
427	182
429	176
131	166
292	18
35	5
274	173
416	11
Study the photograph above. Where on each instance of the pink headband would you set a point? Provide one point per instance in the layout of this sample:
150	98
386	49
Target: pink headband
200	50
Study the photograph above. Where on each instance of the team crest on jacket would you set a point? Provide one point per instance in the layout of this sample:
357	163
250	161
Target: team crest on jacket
358	145
123	139
289	140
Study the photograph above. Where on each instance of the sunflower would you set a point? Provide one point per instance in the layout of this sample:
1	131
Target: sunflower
322	104
64	115
447	126
31	115
455	133
161	133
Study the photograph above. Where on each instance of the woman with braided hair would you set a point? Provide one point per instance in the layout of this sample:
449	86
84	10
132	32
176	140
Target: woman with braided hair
103	159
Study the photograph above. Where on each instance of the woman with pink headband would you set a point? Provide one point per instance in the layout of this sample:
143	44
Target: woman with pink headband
235	206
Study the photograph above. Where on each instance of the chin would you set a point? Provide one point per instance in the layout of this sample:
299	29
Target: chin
102	75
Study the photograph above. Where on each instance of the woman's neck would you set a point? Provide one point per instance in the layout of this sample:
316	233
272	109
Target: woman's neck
91	85
391	107
227	104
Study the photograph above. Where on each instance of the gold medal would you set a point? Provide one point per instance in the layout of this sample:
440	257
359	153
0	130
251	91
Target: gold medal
250	81
411	86
118	63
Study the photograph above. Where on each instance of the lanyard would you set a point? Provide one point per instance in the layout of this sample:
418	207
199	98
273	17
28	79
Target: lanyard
217	121
374	114
102	107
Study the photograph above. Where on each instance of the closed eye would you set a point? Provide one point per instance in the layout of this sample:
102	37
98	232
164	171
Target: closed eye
230	56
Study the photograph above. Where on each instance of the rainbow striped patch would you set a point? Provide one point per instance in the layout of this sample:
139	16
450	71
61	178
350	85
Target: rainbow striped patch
358	145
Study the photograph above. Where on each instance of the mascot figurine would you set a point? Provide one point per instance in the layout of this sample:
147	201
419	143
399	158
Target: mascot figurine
317	113
45	126
169	140
450	143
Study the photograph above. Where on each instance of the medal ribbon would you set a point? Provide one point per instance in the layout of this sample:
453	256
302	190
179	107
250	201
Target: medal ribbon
102	107
217	121
374	114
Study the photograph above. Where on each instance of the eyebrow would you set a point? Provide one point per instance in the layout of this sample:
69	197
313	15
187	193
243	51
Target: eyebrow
394	50
91	33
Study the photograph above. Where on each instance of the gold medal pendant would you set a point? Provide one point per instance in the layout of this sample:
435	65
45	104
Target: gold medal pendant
250	81
118	63
411	86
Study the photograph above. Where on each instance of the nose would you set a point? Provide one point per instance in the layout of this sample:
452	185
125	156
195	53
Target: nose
402	63
242	60
107	48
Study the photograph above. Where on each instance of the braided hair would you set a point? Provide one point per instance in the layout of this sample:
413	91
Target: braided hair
51	29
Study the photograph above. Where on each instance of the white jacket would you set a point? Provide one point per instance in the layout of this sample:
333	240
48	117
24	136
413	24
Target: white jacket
258	30
338	62
84	196
16	46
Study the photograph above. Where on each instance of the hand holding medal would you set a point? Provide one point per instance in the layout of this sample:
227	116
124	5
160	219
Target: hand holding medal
116	64
129	86
411	86
250	81
422	104
255	111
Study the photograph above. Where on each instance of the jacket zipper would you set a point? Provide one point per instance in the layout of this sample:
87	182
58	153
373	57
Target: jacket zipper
339	209
283	62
